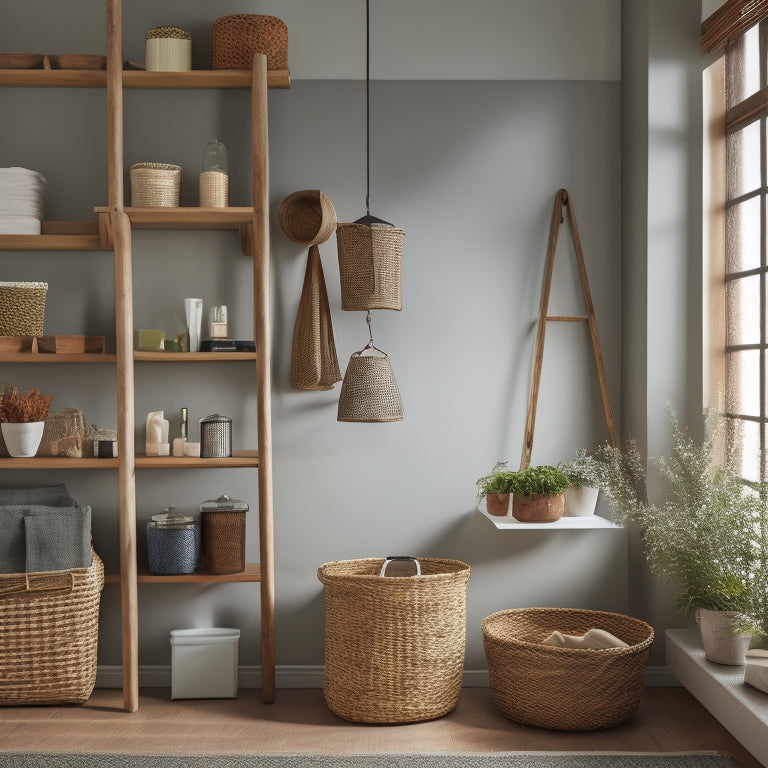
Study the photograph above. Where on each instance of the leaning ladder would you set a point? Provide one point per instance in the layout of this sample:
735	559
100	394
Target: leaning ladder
563	201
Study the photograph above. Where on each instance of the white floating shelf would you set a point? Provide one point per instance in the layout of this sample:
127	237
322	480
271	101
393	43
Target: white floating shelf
564	523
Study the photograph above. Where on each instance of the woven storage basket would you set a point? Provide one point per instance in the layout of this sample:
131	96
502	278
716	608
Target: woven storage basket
394	647
565	689
49	629
238	37
307	217
369	392
155	185
370	266
22	308
224	541
214	189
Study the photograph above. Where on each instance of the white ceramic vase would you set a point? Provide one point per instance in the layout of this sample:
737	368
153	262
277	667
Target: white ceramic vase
22	439
580	501
721	643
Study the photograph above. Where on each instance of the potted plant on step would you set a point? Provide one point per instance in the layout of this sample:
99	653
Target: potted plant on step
537	494
586	476
495	487
22	418
702	536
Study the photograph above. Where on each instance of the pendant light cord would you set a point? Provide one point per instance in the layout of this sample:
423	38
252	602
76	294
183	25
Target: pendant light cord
367	108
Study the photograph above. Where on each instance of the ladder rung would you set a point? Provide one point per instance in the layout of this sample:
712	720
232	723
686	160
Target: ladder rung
567	318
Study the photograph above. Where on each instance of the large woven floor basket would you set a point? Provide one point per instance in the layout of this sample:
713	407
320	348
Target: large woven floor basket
565	689
394	646
49	628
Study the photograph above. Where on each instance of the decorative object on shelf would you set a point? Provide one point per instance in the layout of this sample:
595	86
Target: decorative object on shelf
236	38
370	249
369	392
22	308
376	633
157	434
22	419
155	185
307	217
537	494
567	697
18	344
105	449
193	309
71	345
22	194
215	436
496	488
179	442
217	322
173	543
64	434
223	523
214	178
586	476
148	340
168	49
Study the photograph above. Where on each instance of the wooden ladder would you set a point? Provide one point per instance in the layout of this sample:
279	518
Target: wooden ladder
563	201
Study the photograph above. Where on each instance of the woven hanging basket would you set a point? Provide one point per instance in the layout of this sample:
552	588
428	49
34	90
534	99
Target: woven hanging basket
238	37
50	624
307	217
369	392
565	689
370	266
22	308
394	647
155	185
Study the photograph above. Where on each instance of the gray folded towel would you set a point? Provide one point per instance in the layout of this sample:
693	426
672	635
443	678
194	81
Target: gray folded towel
58	540
44	495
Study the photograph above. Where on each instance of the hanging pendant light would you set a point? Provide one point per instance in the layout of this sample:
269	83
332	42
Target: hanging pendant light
369	392
370	249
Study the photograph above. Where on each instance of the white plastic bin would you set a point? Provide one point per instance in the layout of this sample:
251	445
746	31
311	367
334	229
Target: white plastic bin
204	663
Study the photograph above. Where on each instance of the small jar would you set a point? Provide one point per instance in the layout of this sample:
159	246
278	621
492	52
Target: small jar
173	543
169	49
215	437
214	178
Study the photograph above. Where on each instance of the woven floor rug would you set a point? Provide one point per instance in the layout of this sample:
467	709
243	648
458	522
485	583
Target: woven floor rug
383	760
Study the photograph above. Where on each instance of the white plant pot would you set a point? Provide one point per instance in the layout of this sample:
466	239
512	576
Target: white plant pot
580	502
721	643
22	440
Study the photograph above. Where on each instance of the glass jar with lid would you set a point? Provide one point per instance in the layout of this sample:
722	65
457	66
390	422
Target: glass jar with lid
173	543
223	524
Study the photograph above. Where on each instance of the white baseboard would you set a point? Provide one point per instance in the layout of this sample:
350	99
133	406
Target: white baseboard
312	677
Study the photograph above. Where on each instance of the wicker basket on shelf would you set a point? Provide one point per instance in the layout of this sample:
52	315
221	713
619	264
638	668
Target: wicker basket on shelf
22	308
238	37
394	647
566	689
155	185
49	629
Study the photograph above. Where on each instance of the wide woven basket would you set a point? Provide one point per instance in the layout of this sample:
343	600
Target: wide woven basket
394	647
238	37
22	308
155	185
370	266
49	629
565	689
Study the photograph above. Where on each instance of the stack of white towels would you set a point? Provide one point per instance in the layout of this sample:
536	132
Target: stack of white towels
21	201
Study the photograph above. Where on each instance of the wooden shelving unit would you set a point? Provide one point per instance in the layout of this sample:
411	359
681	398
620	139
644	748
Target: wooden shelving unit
112	232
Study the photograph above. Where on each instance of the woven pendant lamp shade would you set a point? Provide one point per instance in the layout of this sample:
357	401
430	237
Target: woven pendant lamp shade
369	392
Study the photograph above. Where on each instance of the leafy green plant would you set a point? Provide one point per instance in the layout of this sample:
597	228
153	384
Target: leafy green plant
498	481
585	470
543	480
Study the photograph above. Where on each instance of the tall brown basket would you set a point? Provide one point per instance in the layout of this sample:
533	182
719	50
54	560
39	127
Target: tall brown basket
565	689
394	647
49	629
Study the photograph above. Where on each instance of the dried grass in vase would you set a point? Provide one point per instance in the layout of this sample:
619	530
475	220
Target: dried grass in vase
16	408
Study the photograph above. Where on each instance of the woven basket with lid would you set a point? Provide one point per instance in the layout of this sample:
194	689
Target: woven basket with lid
22	308
155	185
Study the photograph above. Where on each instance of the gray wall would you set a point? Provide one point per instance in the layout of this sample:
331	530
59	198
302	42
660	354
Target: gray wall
469	168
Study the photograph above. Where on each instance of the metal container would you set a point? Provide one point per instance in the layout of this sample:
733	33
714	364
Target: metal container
173	543
215	437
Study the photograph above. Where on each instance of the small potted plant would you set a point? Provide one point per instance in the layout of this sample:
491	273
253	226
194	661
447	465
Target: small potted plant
495	487
586	476
22	419
537	494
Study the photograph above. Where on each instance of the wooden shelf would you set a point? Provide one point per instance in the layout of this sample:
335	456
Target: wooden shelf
55	357
186	217
57	462
97	78
191	357
245	458
58	236
251	574
564	523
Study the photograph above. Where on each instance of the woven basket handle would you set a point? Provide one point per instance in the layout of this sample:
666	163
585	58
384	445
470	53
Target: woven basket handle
36	584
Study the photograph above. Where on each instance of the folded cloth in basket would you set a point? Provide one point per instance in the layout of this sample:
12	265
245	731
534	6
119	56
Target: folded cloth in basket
44	495
593	638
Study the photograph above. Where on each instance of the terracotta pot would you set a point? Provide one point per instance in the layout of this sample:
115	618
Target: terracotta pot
497	504
721	643
538	508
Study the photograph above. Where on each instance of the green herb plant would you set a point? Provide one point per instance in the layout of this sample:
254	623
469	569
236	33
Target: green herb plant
543	480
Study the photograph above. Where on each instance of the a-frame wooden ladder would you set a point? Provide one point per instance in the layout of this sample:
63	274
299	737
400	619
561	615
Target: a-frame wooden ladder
563	200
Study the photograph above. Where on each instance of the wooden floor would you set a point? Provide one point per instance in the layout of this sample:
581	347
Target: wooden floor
668	720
